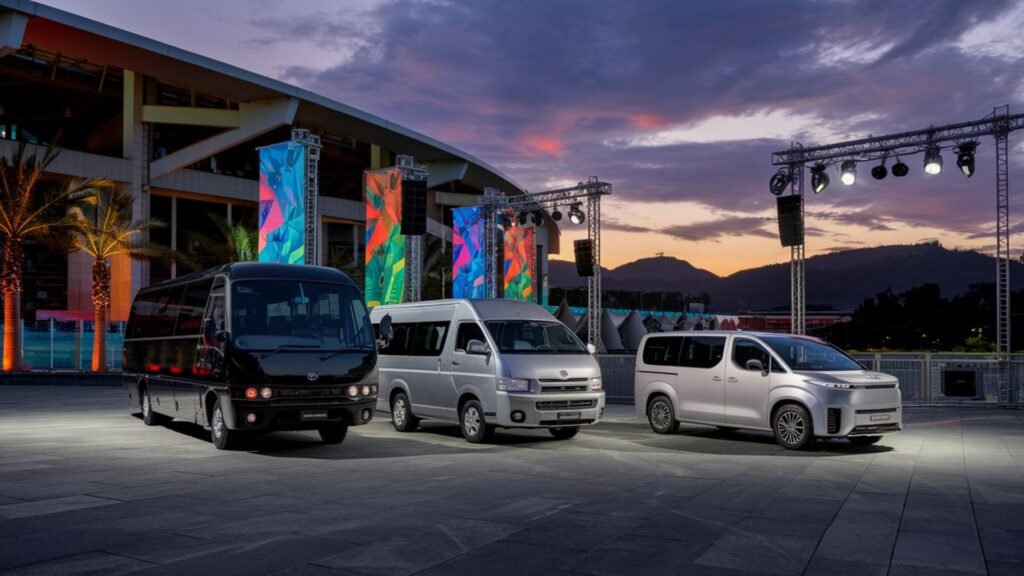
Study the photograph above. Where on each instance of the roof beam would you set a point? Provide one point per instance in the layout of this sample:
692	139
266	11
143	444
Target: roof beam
12	31
255	118
445	171
192	116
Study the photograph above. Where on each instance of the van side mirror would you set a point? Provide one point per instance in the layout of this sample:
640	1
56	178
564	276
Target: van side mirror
477	347
755	365
222	336
591	348
387	333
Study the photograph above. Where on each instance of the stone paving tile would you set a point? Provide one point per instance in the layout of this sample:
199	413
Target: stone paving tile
97	563
1005	569
756	549
826	567
507	558
53	506
631	554
932	551
576	531
859	537
1003	545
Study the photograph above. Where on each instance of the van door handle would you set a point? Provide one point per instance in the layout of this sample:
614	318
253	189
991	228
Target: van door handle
454	363
716	378
731	379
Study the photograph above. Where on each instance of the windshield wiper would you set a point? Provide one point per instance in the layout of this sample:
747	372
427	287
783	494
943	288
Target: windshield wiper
288	345
349	349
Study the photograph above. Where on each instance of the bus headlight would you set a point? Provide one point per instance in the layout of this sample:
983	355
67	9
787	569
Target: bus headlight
513	385
353	390
366	390
266	392
595	383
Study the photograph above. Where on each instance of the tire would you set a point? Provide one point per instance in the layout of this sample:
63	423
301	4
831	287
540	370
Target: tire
401	414
222	437
564	432
149	417
792	427
474	428
334	433
864	440
661	416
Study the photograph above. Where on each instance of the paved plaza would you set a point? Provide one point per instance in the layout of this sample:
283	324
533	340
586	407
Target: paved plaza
86	488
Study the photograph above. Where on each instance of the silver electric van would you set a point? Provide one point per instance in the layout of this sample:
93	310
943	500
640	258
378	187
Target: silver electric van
798	387
484	364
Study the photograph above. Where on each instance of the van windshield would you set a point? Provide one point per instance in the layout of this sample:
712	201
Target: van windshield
810	355
267	314
534	337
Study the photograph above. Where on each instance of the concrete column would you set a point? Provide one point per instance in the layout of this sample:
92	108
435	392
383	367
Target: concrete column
174	234
126	275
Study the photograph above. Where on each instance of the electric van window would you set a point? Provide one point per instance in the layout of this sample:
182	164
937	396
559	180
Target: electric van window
468	331
663	350
811	355
744	350
702	351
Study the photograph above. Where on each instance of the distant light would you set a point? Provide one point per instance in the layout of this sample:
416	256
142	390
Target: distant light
849	172
576	215
965	158
933	161
879	172
899	169
779	181
556	215
819	179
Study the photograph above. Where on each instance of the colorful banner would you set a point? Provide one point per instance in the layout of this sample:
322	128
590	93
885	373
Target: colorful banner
468	253
519	263
385	244
282	235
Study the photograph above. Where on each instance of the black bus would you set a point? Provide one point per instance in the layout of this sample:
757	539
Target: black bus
253	347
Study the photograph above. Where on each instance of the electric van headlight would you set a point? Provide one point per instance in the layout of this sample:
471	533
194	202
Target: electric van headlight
832	385
513	385
595	383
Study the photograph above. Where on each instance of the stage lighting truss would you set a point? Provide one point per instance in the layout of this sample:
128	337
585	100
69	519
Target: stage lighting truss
965	157
780	181
848	172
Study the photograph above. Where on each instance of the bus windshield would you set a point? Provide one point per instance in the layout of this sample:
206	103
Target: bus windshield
534	337
268	314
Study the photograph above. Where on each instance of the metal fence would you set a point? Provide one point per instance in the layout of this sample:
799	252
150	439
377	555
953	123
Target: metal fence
925	378
64	346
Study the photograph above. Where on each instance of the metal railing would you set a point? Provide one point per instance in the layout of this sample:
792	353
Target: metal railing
925	378
67	346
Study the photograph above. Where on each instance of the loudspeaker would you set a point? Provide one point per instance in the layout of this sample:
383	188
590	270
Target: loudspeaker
414	207
584	257
791	225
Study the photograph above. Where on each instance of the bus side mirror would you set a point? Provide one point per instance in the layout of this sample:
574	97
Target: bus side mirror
222	336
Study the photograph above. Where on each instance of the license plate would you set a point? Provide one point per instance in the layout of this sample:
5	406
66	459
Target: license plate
568	415
879	417
313	415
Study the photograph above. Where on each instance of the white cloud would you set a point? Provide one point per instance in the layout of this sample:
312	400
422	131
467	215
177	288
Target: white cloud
861	53
997	38
763	124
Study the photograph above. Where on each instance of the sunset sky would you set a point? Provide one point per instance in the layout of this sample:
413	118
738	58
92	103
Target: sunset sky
678	104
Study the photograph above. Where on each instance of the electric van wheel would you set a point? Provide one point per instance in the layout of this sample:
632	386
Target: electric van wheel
223	438
792	427
474	428
564	432
864	440
661	416
401	414
334	433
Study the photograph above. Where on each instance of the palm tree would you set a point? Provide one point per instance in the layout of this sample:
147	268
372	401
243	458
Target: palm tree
104	229
237	243
28	210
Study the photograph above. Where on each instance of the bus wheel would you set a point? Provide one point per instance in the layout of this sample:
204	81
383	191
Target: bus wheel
149	417
334	433
564	432
223	438
474	428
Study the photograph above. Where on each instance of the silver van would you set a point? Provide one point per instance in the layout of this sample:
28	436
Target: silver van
798	387
484	364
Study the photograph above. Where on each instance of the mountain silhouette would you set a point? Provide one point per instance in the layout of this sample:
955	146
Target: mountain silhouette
840	280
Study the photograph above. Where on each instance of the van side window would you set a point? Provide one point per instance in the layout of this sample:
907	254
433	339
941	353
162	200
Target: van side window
399	345
468	331
743	350
702	351
428	339
663	350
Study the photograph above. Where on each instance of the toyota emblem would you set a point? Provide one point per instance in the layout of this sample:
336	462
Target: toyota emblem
312	376
564	374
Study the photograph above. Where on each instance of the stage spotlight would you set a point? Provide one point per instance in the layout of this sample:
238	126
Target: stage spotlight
521	218
899	169
879	172
779	181
965	158
933	160
576	215
556	215
819	179
538	217
849	172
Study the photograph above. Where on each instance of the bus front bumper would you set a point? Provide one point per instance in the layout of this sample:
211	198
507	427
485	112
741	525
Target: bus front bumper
267	415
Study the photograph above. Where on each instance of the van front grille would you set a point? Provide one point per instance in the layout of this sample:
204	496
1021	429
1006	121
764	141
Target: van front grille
834	420
564	388
563	404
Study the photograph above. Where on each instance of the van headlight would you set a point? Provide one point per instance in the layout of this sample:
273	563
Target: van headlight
595	383
832	385
513	385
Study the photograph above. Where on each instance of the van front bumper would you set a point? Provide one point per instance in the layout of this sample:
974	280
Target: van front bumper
549	410
277	415
861	419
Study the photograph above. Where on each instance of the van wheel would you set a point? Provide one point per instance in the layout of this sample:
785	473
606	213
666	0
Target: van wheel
223	438
334	433
661	417
149	417
792	427
474	427
564	432
864	440
401	414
